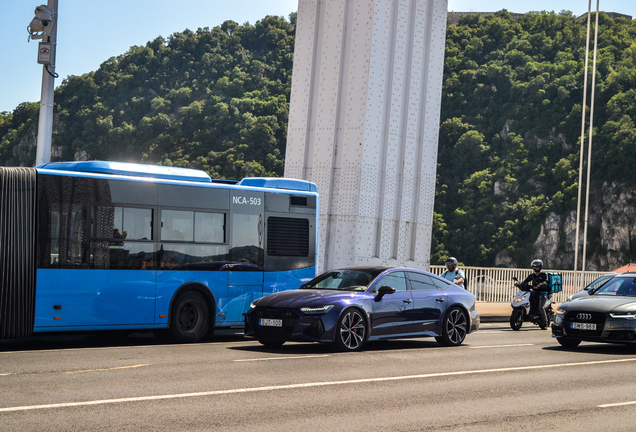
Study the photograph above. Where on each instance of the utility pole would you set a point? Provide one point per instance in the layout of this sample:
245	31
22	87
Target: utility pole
44	27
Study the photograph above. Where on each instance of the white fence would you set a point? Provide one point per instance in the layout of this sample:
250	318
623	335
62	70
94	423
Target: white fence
491	284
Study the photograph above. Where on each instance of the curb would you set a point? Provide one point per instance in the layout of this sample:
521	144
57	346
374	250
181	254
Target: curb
494	318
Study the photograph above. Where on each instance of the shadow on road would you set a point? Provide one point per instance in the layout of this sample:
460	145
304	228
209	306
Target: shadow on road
310	348
596	348
102	340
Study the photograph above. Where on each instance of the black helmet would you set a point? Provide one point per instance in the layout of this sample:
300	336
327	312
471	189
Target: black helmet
451	260
537	262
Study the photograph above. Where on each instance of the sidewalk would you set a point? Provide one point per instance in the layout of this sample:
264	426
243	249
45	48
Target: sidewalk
493	312
497	312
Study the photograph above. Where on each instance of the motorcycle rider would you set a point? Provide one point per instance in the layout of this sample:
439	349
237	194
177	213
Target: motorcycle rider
537	284
452	273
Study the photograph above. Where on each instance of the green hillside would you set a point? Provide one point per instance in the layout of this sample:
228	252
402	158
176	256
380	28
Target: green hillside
214	99
218	100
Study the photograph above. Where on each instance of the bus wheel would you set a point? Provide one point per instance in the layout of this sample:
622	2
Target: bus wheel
190	318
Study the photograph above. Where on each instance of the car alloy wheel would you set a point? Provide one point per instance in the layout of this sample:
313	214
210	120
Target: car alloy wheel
351	330
455	328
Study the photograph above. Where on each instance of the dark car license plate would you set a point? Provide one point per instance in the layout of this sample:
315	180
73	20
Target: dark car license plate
266	322
582	326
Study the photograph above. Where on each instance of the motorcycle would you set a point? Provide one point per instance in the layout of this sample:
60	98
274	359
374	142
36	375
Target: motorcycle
521	309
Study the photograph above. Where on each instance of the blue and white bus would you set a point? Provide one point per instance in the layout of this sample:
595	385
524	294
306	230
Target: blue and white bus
87	246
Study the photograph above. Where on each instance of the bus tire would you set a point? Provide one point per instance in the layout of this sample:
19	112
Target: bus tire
190	318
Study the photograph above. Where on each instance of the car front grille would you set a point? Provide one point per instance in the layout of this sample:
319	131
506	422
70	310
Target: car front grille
588	317
289	317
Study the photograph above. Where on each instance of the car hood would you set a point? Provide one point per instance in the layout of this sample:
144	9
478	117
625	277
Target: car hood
580	294
600	303
307	297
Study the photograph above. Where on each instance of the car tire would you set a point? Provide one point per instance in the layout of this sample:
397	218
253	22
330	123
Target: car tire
189	320
568	343
454	328
516	320
351	330
271	343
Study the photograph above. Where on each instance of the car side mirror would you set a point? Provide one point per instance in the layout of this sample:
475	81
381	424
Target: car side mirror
514	278
384	290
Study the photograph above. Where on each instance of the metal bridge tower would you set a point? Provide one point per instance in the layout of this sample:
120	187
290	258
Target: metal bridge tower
364	125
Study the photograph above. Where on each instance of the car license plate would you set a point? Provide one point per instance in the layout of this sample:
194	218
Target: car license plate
583	326
270	322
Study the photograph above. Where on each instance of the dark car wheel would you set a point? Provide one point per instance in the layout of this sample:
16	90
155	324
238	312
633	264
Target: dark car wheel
271	343
568	343
516	319
351	330
190	319
454	328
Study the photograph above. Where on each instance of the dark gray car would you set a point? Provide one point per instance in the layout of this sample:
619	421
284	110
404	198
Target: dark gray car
608	315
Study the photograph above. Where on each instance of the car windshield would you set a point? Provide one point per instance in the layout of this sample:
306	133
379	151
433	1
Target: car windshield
346	280
618	286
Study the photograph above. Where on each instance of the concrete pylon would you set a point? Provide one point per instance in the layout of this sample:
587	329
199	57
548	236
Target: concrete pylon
364	125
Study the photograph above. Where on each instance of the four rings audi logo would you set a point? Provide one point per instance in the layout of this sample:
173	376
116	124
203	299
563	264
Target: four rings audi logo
584	316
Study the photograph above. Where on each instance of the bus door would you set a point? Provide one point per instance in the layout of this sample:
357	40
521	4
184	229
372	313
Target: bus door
245	271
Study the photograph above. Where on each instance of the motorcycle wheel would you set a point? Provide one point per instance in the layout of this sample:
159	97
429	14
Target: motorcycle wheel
516	320
550	315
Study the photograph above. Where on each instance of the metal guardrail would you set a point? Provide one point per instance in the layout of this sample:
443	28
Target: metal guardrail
490	284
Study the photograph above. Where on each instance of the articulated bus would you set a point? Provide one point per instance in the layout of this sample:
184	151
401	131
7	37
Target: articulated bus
89	246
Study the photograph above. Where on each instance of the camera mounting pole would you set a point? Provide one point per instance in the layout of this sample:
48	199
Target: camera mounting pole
44	26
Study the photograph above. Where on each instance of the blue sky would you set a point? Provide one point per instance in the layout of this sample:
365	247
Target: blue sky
90	32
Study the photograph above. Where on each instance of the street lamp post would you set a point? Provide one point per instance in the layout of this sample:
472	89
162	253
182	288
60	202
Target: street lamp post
44	27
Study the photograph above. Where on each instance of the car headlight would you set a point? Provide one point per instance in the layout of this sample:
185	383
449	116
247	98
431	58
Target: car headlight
317	310
559	311
569	299
253	304
625	315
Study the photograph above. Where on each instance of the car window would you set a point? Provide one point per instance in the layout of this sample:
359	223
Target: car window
420	282
396	280
618	286
441	283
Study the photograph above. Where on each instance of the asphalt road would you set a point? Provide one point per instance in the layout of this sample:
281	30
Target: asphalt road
499	380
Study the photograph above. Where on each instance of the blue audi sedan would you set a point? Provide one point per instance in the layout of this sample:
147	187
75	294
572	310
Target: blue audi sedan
351	305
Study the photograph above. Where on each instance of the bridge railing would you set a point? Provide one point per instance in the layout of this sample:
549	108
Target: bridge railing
490	284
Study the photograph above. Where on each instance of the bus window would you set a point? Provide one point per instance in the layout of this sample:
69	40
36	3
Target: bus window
209	227
183	234
247	239
122	239
177	225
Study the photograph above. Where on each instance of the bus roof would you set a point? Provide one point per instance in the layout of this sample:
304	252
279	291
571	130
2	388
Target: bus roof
279	183
174	173
130	169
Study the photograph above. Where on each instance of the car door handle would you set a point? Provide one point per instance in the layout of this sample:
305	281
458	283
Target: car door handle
439	300
407	300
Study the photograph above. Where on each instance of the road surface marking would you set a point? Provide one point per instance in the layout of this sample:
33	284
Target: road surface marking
114	347
616	404
282	358
107	369
4	374
498	346
308	385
